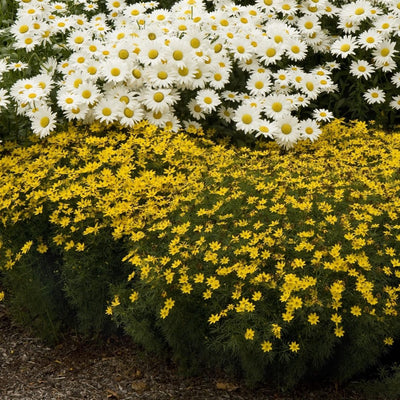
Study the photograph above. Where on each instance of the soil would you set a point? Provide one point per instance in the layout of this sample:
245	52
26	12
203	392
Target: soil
115	369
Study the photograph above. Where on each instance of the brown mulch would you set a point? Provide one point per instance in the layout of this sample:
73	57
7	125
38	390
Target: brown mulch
117	369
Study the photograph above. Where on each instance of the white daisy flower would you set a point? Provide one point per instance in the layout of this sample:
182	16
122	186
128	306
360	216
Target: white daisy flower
361	69
374	96
356	12
322	115
266	128
259	83
395	103
161	75
310	86
246	118
226	113
43	121
385	24
296	49
308	24
66	99
4	98
369	39
208	100
219	78
18	66
191	126
276	106
131	114
344	46
386	66
270	52
160	99
286	7
114	70
186	73
288	131
309	129
107	110
240	49
229	95
172	123
384	52
395	79
158	118
87	92
196	110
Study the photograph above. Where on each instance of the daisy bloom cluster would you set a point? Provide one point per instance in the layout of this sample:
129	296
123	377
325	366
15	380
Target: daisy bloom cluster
112	61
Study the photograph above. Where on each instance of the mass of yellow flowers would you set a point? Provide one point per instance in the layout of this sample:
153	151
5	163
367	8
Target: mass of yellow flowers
272	247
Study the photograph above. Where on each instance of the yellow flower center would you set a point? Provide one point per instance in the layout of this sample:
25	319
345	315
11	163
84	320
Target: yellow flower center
217	77
106	111
92	70
295	49
278	39
177	55
310	86
374	95
359	11
385	52
115	71
23	28
158	97
259	85
270	52
136	73
370	39
123	54
44	122
79	40
247	119
69	100
128	113
240	49
195	43
286	129
308	25
309	130
153	54
124	99
218	48
183	71
78	82
345	47
162	75
277	107
86	94
207	100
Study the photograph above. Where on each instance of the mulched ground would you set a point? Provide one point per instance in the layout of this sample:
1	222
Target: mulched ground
79	369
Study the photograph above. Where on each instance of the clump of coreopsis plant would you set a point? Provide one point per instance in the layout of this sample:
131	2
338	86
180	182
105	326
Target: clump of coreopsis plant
275	68
278	265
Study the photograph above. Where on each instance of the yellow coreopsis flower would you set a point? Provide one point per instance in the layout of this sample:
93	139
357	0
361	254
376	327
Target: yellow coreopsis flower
294	347
266	346
249	334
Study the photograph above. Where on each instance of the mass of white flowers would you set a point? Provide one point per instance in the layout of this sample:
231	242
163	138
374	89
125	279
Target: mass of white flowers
242	64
